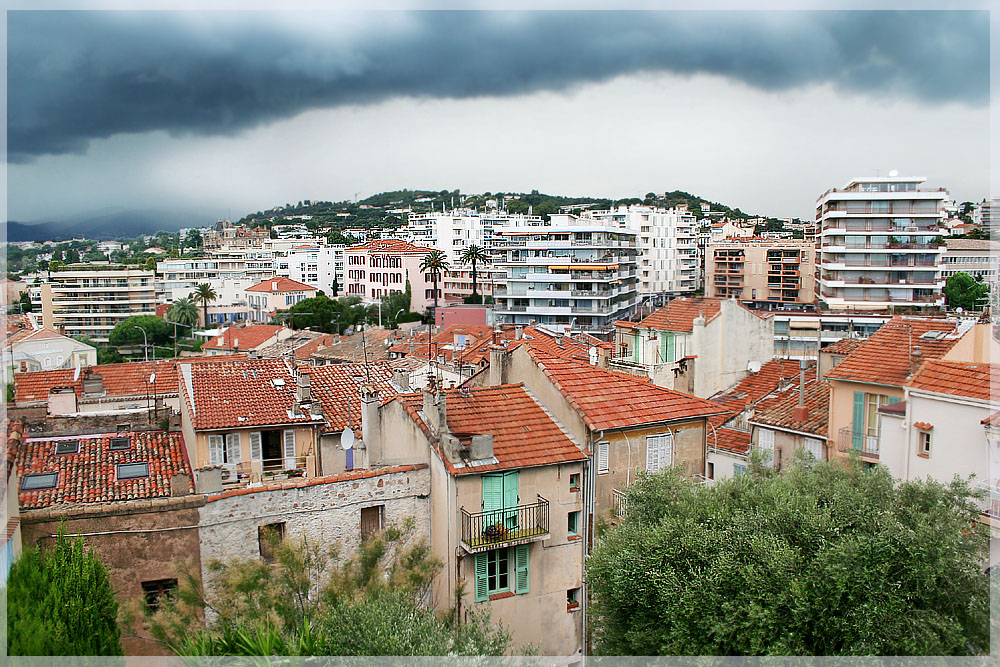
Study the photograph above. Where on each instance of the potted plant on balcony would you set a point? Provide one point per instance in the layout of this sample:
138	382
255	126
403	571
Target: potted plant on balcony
495	533
294	473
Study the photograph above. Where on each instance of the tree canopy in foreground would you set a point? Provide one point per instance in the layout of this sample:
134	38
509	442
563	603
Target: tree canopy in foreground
821	559
371	604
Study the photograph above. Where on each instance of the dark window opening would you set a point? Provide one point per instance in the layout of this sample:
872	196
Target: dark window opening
120	443
269	536
371	520
155	591
68	447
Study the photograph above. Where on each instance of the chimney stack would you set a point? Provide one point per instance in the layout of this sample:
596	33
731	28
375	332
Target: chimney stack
371	428
401	378
481	447
435	408
801	411
518	332
498	356
303	382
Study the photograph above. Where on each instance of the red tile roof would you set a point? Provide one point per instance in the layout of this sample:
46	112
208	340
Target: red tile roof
680	313
239	394
844	345
730	439
359	347
773	375
390	246
338	387
90	476
779	411
524	434
608	399
957	378
886	358
248	338
992	420
280	284
349	476
923	426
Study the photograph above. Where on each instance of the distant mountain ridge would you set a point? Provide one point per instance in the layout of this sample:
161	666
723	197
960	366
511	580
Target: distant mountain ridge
107	225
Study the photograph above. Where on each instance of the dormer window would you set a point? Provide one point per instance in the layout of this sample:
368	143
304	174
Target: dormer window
68	447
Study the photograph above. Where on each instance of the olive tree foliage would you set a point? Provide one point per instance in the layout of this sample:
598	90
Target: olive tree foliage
60	602
821	559
313	602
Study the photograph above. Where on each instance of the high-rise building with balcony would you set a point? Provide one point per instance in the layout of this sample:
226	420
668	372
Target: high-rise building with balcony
578	277
762	273
880	245
91	302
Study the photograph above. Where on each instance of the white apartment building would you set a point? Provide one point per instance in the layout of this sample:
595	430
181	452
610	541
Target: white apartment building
578	277
879	244
177	278
668	262
314	264
973	256
91	303
987	214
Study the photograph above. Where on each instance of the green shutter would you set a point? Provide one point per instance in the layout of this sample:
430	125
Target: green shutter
635	348
510	500
521	568
492	498
482	581
858	428
669	352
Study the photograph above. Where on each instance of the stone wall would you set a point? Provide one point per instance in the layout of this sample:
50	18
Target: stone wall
324	510
38	423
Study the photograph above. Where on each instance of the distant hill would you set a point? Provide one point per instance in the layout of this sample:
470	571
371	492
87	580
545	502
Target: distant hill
107	225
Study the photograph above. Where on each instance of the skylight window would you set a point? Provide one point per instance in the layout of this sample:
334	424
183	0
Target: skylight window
45	480
133	470
67	447
120	443
278	382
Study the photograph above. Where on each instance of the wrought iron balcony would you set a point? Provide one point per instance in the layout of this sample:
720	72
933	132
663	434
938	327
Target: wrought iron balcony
866	445
620	502
483	531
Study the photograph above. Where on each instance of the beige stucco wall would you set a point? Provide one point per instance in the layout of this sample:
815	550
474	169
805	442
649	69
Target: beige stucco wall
305	444
976	345
842	408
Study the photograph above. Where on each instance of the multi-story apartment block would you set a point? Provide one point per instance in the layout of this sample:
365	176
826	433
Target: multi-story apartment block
987	215
274	294
879	244
667	243
227	236
762	273
802	334
378	268
318	265
978	258
576	277
90	303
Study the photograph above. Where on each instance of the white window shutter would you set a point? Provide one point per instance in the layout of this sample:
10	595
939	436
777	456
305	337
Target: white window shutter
815	447
602	457
652	453
289	449
255	450
667	450
233	448
765	441
215	455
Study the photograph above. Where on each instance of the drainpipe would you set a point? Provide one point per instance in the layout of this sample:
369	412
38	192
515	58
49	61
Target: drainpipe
589	503
628	470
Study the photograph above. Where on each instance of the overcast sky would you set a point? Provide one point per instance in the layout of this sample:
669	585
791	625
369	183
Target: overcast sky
231	112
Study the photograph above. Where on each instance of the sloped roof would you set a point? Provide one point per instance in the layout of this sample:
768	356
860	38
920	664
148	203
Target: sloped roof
730	439
248	338
90	476
126	379
779	411
338	388
957	378
608	399
524	434
844	346
680	313
356	348
280	284
886	357
243	393
390	246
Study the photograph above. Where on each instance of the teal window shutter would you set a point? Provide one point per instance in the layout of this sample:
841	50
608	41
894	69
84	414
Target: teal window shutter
635	349
521	569
482	582
669	352
858	428
492	498
510	499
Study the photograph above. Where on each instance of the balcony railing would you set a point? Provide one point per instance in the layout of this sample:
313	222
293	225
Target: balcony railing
482	531
858	441
990	505
620	503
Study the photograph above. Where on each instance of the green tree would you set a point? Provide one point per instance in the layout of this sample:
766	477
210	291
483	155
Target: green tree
61	603
473	256
435	262
821	559
25	301
204	293
963	291
183	311
193	239
127	332
370	604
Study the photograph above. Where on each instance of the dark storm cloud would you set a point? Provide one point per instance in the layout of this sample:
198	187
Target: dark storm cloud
78	76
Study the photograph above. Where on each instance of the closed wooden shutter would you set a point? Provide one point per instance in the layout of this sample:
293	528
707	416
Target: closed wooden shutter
482	581
814	447
289	449
233	448
666	450
765	442
602	457
255	450
521	569
215	450
492	499
510	499
652	453
858	427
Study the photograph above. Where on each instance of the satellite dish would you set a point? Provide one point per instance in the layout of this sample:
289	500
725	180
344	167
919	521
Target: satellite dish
76	374
347	438
959	310
754	367
593	356
893	174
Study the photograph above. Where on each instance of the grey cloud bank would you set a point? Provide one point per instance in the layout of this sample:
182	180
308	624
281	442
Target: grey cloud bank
78	76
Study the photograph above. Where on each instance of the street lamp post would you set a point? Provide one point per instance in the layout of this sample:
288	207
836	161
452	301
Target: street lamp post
145	350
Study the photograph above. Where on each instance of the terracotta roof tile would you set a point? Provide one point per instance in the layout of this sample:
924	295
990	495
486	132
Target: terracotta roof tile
524	434
844	345
390	246
779	411
957	378
247	338
992	420
338	387
885	358
923	426
608	399
680	313
127	379
280	284
730	439
91	476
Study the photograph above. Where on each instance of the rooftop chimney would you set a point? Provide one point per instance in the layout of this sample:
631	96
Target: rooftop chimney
401	378
559	339
435	408
93	383
371	428
518	332
801	411
481	447
303	382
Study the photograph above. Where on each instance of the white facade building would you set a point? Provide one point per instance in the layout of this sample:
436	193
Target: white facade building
316	265
879	244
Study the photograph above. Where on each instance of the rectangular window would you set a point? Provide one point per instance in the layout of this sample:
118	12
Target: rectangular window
573	524
68	447
765	442
739	469
269	536
572	599
659	452
574	481
815	447
711	470
46	480
924	443
602	458
501	571
233	453
216	450
289	438
133	470
371	520
120	443
498	570
155	591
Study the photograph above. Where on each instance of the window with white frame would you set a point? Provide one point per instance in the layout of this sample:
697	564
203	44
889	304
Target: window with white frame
602	458
765	443
815	447
924	443
659	452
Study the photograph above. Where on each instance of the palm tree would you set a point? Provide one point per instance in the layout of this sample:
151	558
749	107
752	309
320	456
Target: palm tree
184	311
204	293
435	262
475	255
